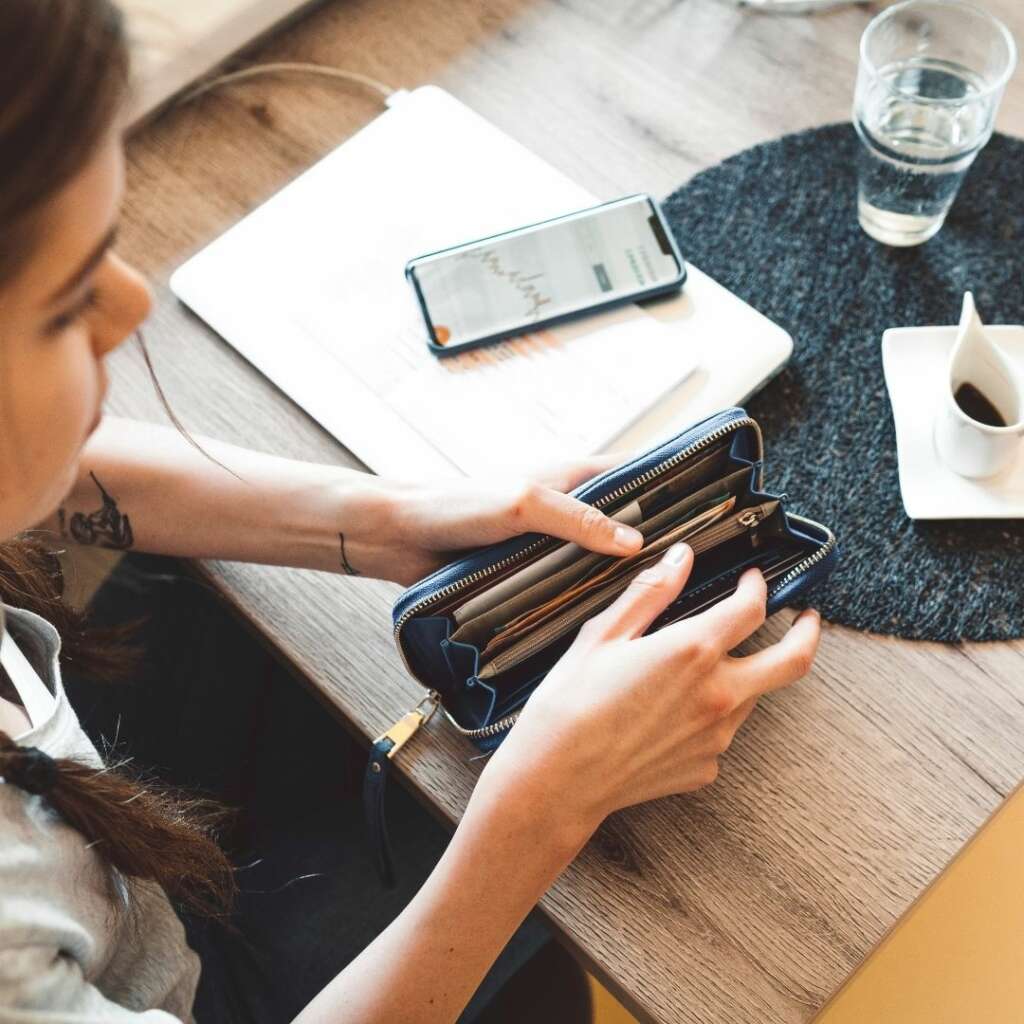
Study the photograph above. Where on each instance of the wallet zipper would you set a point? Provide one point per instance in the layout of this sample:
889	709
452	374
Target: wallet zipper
811	560
453	588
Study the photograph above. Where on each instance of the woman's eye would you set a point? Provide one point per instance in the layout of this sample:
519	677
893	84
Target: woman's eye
72	315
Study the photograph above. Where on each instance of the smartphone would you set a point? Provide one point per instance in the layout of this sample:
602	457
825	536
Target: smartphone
535	276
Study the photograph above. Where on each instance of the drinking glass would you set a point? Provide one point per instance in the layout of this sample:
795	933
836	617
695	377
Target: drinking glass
931	75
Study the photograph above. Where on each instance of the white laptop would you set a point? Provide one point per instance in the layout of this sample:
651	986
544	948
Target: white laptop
310	288
175	42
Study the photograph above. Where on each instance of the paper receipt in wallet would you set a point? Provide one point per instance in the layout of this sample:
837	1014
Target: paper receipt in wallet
619	568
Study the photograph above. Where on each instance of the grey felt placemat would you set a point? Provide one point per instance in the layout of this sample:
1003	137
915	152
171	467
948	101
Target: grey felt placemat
777	225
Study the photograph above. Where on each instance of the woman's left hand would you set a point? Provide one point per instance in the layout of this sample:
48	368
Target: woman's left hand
416	528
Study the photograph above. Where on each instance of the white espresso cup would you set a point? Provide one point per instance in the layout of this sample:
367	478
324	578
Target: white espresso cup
968	446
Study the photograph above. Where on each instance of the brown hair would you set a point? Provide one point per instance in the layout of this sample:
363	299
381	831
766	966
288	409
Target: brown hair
63	79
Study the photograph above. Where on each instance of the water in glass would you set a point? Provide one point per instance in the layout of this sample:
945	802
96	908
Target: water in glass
921	129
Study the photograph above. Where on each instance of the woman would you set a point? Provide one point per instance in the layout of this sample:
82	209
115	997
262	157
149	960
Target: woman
88	857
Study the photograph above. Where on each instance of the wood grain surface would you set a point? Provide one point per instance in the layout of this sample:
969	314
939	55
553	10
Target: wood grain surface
841	799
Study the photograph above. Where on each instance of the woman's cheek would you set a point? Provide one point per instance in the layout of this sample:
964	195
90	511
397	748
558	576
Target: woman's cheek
59	424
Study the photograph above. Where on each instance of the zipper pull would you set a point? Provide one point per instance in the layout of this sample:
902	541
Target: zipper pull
750	517
408	725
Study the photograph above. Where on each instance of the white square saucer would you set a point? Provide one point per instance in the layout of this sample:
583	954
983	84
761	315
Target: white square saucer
916	361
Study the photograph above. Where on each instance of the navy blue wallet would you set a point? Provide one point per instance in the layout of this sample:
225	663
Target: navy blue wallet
481	633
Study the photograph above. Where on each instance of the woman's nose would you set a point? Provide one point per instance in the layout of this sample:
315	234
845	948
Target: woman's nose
125	303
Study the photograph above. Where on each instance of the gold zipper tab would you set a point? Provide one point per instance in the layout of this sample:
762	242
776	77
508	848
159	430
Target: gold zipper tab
409	724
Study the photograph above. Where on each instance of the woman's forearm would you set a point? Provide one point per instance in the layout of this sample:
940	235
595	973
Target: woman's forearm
143	486
424	968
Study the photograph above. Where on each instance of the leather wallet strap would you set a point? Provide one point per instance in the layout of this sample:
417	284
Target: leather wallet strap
384	748
374	785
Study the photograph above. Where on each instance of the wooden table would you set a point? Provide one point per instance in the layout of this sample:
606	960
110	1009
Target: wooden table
751	901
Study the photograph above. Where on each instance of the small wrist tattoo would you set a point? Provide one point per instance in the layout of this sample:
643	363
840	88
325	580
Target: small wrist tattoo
346	565
107	527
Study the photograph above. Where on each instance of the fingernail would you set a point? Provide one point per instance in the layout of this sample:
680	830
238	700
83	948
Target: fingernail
627	537
675	554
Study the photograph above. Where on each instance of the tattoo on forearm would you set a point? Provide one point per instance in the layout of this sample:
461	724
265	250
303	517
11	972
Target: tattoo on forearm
346	565
107	527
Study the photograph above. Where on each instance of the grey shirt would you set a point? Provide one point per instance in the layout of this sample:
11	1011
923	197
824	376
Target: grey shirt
71	951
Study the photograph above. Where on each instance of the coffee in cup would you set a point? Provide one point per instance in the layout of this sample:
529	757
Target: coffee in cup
980	421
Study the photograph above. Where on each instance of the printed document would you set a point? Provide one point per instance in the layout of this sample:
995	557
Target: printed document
311	288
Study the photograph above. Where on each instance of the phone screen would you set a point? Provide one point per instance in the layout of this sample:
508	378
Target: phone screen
519	279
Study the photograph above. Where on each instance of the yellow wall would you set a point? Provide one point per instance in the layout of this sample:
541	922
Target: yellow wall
957	956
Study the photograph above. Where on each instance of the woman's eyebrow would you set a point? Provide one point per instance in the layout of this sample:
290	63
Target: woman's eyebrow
87	267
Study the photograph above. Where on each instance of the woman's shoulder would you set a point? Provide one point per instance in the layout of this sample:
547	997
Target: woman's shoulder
61	938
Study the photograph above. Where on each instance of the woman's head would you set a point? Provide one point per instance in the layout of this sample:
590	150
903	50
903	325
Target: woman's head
65	299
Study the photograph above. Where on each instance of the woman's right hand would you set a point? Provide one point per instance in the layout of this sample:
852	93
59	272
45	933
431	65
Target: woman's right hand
621	718
624	718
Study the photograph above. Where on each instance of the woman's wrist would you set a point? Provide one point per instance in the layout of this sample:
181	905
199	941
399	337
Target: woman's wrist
535	784
344	521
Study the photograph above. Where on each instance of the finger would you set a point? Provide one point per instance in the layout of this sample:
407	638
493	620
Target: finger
646	597
568	476
732	620
549	511
739	716
718	736
784	662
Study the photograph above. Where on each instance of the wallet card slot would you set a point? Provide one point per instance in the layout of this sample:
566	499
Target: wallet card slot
517	693
504	652
545	565
631	510
481	628
454	603
514	686
682	480
424	639
700	519
706	526
737	484
773	564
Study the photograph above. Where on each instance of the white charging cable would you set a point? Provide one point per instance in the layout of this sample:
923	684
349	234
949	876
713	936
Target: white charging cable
388	94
